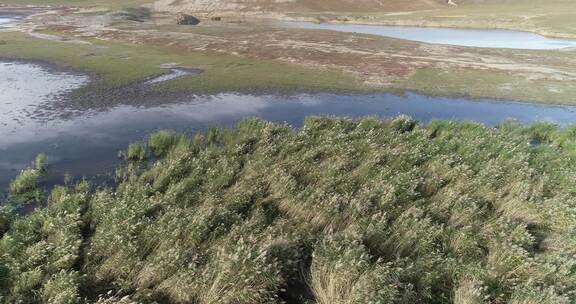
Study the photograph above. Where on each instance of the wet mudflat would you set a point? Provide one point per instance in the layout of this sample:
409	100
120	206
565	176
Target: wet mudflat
25	88
87	143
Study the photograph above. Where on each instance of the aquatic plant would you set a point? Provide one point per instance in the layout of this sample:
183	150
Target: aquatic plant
339	211
40	163
162	141
135	152
6	218
24	188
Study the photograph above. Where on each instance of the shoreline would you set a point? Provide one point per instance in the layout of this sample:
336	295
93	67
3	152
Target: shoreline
77	102
160	94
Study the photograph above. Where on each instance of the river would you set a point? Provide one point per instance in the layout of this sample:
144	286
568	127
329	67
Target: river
87	144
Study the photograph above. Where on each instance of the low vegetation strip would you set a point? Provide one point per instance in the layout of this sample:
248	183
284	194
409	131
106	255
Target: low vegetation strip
339	211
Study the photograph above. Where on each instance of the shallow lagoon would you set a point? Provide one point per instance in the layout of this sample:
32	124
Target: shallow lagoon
450	36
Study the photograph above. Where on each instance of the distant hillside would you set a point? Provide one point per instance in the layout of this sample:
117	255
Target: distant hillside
298	5
372	6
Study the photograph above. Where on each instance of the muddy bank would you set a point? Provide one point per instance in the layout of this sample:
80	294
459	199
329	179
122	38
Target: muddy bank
25	86
90	95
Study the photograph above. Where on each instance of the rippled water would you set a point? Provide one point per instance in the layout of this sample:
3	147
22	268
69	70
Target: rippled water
24	87
450	36
87	145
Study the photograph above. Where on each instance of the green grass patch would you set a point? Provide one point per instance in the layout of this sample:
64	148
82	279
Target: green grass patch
24	188
119	64
162	142
489	84
135	152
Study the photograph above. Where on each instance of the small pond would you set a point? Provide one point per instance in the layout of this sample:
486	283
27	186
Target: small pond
451	36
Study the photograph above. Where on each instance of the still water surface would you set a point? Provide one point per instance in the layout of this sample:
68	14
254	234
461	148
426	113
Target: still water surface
451	36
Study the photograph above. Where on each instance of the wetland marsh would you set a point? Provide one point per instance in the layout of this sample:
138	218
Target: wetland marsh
81	103
85	143
235	161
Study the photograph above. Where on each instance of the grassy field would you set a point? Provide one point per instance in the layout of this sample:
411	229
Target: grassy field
489	84
287	61
552	18
120	64
340	211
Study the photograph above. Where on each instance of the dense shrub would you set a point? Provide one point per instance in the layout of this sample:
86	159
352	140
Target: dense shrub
339	211
40	251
